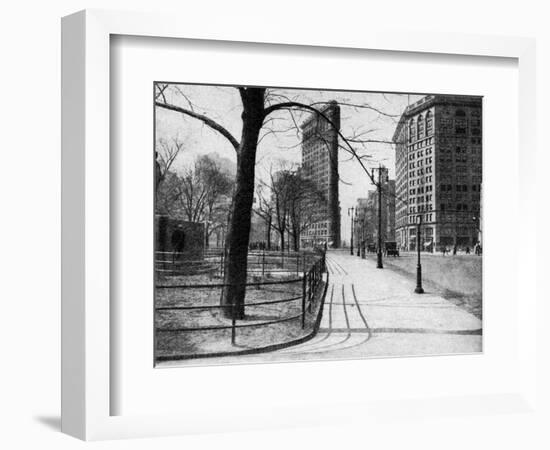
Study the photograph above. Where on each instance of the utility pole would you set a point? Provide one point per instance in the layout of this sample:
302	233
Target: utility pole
351	226
379	264
359	233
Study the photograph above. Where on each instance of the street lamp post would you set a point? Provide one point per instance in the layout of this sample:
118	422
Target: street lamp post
379	264
351	226
419	289
359	231
363	238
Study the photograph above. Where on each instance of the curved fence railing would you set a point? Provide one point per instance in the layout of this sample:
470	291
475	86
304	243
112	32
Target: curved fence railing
260	262
303	293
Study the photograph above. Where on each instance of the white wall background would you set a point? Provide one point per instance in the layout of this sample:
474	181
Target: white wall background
30	225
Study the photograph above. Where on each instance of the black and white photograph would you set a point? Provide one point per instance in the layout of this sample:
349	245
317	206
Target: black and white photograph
306	224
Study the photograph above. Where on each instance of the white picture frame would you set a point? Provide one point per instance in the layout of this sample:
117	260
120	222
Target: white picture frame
86	325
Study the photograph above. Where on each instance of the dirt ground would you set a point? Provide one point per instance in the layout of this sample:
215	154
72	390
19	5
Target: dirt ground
203	342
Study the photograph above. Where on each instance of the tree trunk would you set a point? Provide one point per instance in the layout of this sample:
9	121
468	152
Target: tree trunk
268	232
239	228
296	237
282	239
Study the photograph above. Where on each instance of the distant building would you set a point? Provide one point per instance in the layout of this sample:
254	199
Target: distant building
438	171
320	164
367	214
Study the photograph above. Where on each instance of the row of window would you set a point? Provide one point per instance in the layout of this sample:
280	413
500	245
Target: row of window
422	128
421	144
420	190
420	208
420	171
420	181
425	218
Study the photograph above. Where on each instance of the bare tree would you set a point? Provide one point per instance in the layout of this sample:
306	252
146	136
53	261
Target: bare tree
264	210
203	193
305	201
168	151
259	107
280	184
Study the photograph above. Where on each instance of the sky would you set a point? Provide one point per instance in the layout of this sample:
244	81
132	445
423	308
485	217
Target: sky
281	146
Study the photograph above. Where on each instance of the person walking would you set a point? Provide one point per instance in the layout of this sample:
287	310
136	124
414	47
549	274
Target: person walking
455	248
178	242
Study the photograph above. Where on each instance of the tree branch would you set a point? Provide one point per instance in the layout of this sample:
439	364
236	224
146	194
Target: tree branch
206	120
298	105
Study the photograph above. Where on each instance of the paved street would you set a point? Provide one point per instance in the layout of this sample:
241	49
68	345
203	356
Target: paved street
371	312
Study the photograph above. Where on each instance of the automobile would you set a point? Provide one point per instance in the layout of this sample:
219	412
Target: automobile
391	249
371	248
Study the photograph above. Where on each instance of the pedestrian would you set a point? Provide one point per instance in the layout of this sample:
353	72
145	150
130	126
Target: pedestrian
455	248
467	250
178	242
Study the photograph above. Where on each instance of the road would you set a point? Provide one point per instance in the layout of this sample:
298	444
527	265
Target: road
372	312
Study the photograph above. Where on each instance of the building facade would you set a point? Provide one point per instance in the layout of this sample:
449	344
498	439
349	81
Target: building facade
320	165
439	172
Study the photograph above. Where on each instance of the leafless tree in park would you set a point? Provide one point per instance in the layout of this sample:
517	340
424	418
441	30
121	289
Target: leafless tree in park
264	209
289	203
168	151
305	200
280	185
260	110
203	193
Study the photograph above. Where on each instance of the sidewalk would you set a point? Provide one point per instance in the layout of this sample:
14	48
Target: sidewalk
372	312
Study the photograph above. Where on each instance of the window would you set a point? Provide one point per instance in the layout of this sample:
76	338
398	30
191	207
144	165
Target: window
420	127
429	123
412	131
460	113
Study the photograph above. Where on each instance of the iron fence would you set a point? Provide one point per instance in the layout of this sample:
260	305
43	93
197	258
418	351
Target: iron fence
213	261
311	280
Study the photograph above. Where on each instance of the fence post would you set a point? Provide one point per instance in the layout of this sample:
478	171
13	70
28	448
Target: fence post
304	301
233	323
309	293
263	263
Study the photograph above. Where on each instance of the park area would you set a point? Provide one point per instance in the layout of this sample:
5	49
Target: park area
284	295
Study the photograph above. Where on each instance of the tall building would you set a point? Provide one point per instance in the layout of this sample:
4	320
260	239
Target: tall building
438	172
320	164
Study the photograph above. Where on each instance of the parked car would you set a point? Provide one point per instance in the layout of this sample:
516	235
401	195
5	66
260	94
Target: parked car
390	249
